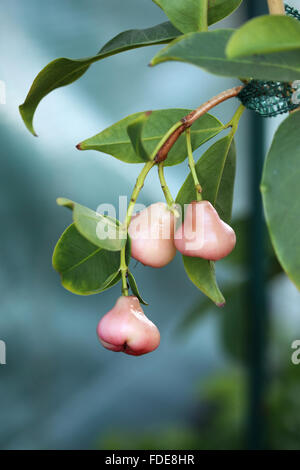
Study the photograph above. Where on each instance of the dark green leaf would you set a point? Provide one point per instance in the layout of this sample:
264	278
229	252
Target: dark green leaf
116	142
281	195
64	71
134	288
100	230
216	172
134	131
84	267
207	50
264	35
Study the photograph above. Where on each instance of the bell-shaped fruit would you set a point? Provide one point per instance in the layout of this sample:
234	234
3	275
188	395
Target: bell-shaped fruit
203	234
126	328
152	236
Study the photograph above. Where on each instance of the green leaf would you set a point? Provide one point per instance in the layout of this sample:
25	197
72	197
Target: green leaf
281	195
115	140
64	71
217	10
84	267
134	288
134	131
202	273
186	15
264	35
216	173
207	50
100	230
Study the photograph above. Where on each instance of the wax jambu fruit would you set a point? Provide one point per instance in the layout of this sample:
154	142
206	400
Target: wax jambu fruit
152	236
203	234
125	328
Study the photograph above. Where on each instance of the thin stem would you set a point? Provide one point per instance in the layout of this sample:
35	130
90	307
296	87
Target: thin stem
164	186
136	190
234	121
192	165
124	270
276	7
203	15
188	120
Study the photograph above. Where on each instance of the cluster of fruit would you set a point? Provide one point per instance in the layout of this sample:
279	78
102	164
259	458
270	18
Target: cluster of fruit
154	241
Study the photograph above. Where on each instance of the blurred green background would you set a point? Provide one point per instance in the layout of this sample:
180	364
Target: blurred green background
221	379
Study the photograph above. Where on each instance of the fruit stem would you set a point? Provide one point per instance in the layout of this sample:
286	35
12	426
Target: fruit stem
124	271
136	190
164	186
192	166
234	121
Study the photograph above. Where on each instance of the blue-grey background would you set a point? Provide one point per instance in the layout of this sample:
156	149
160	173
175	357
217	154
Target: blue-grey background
60	389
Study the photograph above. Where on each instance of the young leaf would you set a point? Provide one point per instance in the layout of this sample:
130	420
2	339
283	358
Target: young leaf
216	173
134	288
100	230
281	195
207	50
217	9
116	142
186	15
84	267
64	71
264	35
134	131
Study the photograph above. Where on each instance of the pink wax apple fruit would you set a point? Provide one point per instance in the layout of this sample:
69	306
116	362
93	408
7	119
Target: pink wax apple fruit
203	234
125	328
152	236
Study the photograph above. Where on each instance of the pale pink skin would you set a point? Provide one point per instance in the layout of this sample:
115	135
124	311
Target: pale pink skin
152	236
125	328
203	234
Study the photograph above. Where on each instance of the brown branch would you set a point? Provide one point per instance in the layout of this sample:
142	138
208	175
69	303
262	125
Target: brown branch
276	7
189	120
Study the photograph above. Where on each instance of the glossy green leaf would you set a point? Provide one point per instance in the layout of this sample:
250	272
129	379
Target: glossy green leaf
100	230
186	15
264	35
281	195
217	10
116	142
216	173
134	131
134	288
207	50
84	267
64	71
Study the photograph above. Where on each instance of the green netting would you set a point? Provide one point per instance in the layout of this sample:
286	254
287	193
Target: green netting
268	99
